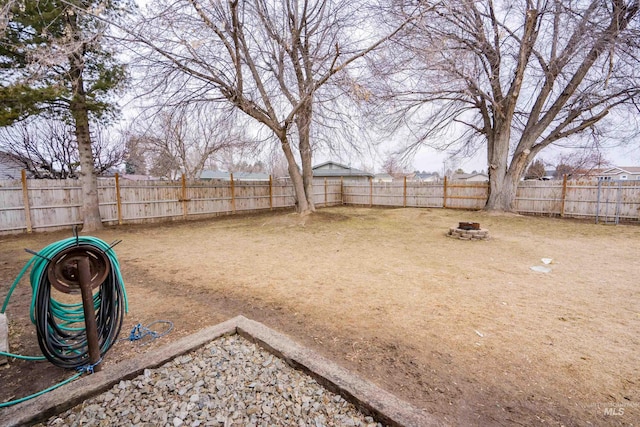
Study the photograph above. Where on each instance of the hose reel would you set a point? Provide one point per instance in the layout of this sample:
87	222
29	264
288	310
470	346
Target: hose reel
71	334
63	270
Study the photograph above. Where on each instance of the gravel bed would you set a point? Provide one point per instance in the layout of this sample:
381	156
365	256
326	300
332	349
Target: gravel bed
228	382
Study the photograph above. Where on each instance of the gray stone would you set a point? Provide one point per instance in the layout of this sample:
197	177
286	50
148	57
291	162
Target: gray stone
4	337
213	379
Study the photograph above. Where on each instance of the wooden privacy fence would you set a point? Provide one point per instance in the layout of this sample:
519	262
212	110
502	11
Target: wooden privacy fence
28	205
446	194
606	201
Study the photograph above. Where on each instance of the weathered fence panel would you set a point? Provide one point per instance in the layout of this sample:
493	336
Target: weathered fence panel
208	198
466	195
606	200
55	204
425	195
388	194
539	197
356	193
251	196
283	195
146	201
629	200
327	193
12	206
107	195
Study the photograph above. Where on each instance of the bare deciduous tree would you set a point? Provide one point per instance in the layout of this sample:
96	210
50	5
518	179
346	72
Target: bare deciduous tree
270	60
394	165
238	160
276	164
579	164
48	148
184	139
517	76
135	158
535	170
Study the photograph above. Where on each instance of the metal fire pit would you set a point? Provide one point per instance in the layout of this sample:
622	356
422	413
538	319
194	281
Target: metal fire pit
468	231
469	225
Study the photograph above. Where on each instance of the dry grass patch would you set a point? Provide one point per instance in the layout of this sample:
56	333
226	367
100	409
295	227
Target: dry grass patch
463	329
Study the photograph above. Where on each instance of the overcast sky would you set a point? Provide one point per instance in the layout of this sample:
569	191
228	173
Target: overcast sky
431	160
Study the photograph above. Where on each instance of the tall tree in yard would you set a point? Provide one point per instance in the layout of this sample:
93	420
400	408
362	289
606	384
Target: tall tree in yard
184	139
54	62
578	165
519	76
48	148
272	60
535	170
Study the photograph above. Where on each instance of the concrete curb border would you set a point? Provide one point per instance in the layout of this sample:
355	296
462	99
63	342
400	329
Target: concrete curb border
367	397
4	337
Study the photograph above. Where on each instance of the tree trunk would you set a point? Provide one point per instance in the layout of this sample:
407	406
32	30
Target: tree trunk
303	123
88	179
302	206
502	191
503	180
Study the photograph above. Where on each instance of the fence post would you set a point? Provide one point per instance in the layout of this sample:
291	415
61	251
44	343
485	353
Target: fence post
564	194
444	199
118	199
325	192
184	197
341	190
404	195
370	192
233	194
270	193
25	198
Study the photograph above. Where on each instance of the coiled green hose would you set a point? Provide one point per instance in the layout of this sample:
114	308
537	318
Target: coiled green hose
60	326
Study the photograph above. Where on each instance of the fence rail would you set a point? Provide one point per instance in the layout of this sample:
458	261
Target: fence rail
27	205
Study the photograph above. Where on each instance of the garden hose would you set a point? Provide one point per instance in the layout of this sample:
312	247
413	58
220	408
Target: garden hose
60	326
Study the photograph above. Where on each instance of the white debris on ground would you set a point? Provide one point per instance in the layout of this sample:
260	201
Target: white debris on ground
229	382
543	268
540	269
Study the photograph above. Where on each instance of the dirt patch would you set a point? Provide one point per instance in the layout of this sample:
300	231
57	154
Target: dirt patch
463	329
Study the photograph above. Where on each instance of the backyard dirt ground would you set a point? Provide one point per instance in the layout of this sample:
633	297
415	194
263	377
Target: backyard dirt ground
463	329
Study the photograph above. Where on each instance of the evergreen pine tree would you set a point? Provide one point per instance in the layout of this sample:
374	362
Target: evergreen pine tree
54	60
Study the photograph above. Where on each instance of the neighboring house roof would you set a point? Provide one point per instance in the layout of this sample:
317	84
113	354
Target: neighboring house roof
383	177
470	177
237	176
251	176
584	173
622	173
133	177
207	174
109	173
616	170
337	170
426	177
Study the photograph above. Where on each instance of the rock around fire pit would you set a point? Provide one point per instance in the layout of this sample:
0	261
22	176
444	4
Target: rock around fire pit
468	231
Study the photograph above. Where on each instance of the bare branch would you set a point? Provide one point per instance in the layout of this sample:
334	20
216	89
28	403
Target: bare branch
533	73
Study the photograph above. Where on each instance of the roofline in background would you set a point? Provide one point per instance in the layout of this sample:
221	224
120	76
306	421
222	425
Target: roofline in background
332	163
